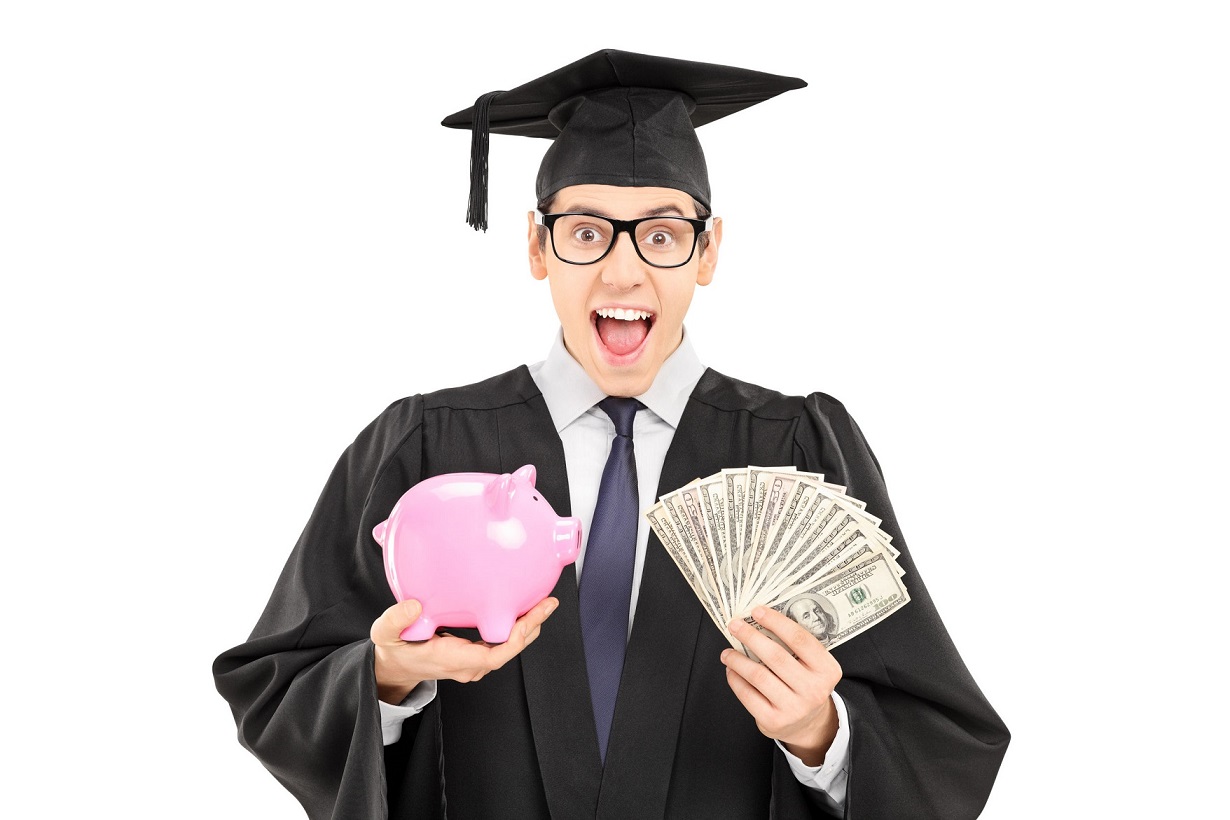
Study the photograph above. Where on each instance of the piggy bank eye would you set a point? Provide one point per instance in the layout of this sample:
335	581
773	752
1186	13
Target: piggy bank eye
535	498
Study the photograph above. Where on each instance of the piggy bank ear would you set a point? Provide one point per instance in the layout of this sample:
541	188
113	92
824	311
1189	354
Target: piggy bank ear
381	532
526	475
497	495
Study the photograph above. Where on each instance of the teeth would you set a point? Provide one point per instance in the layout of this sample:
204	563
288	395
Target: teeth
621	313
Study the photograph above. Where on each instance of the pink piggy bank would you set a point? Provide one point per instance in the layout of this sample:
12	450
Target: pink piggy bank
475	549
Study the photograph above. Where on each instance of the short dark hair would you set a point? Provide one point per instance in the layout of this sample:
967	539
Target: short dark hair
545	205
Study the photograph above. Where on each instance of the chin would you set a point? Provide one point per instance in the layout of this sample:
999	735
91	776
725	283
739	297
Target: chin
623	384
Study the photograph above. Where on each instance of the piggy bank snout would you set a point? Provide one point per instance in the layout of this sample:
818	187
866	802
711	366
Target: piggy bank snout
568	539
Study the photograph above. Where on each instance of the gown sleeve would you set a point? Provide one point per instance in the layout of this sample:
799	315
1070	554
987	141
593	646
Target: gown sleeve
925	742
302	688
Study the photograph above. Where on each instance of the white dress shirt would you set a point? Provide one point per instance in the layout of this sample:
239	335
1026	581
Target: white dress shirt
587	433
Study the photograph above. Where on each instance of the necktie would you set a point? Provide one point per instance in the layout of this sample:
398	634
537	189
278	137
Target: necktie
606	577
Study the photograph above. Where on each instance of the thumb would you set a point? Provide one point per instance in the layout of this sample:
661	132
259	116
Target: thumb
387	628
408	611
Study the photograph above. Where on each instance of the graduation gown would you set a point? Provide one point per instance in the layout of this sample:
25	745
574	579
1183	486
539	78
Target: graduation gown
521	742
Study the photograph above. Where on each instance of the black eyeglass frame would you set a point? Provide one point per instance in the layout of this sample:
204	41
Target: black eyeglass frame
628	226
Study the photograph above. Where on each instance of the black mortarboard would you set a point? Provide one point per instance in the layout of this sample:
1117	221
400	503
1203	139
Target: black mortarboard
617	118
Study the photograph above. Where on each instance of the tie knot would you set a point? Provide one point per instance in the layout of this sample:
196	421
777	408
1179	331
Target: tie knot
622	412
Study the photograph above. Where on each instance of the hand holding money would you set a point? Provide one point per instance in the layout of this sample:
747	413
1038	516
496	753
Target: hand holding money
785	540
790	694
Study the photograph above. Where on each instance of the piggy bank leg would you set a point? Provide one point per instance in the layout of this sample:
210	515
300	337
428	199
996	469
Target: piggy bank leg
495	627
420	630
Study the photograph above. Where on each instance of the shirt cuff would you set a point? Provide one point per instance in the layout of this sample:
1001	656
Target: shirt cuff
832	775
392	717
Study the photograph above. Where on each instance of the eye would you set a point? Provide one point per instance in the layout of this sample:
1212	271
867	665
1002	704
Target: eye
659	238
587	235
535	498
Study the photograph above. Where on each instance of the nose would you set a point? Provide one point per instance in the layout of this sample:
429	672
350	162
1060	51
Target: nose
568	539
623	269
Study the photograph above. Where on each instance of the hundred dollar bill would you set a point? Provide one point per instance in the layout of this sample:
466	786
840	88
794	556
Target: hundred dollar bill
770	490
858	510
827	535
752	503
854	548
861	551
836	490
782	534
840	606
855	506
736	506
660	523
811	502
764	488
805	545
841	532
804	577
684	510
713	498
692	498
873	536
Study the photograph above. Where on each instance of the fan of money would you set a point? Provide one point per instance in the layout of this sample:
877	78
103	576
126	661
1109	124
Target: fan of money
781	538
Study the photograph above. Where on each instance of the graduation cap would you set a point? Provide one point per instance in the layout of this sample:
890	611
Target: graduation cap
617	118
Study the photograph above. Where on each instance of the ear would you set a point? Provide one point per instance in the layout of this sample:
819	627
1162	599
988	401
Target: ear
381	532
538	262
497	494
709	259
526	475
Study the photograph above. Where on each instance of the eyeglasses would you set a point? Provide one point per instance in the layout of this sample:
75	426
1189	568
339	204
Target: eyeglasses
661	241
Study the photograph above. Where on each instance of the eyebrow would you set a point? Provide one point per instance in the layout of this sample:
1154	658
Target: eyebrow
661	210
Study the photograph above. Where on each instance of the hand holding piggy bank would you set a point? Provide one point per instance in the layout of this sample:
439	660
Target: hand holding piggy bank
475	549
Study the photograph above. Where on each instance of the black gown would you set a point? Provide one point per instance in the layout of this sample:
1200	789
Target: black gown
521	742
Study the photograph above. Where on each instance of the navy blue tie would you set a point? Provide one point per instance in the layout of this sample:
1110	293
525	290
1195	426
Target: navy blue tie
606	576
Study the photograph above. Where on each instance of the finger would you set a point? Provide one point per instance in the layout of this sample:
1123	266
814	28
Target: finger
537	615
531	636
386	630
761	677
524	631
528	626
772	654
753	701
528	623
811	657
519	637
448	656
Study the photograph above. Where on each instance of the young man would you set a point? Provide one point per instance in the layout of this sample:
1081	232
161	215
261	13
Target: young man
616	696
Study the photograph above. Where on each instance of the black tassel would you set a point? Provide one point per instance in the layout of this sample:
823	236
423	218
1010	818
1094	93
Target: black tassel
476	215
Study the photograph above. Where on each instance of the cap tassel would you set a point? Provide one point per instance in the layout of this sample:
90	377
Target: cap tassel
476	214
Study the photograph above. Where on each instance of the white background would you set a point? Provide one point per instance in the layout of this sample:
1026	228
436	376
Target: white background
232	233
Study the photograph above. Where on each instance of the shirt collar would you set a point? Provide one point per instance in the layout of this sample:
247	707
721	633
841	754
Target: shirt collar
569	391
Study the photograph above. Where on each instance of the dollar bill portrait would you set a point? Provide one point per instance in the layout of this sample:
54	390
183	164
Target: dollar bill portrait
814	614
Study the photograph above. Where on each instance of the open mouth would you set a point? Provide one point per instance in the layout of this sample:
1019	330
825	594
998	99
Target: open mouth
622	331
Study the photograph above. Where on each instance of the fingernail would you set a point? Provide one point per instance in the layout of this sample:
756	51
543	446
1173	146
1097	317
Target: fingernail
550	608
725	655
758	612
